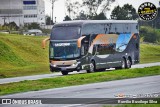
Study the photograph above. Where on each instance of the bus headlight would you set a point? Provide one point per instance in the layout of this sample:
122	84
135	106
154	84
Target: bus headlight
75	64
54	65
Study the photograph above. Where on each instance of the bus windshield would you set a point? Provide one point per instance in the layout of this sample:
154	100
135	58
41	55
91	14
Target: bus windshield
65	33
64	50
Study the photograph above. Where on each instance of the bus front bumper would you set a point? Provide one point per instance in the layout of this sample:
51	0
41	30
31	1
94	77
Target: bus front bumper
73	67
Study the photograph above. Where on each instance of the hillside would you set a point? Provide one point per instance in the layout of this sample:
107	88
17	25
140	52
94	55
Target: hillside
23	55
149	53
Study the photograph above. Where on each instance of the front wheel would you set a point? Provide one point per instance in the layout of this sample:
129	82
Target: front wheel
92	67
128	63
123	65
64	72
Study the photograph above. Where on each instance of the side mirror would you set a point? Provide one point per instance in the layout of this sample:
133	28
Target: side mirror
44	42
79	41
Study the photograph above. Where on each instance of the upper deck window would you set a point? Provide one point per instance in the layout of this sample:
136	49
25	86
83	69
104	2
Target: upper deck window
65	33
29	2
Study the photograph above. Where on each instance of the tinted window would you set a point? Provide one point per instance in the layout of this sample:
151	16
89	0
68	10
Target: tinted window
29	2
64	50
93	29
122	42
105	48
65	33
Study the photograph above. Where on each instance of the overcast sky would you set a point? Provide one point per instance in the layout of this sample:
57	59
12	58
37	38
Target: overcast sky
60	10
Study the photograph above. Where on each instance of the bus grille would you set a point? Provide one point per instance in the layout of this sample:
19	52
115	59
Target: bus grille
63	65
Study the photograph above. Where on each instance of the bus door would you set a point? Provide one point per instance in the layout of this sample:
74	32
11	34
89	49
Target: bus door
85	59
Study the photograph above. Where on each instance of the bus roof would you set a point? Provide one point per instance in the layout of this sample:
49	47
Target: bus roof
83	22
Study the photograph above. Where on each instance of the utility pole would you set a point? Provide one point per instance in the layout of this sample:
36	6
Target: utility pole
52	10
4	19
55	19
51	15
53	1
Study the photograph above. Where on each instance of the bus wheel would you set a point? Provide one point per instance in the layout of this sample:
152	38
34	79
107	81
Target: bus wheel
128	63
92	67
123	66
51	69
64	72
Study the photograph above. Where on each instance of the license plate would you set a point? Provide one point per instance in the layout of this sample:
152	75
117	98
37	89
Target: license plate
63	69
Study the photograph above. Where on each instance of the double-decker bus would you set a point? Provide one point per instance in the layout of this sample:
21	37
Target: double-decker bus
93	45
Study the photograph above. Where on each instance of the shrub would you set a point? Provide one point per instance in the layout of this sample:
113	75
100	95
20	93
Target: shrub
149	34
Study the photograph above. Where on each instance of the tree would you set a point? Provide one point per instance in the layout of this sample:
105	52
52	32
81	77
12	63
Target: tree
48	20
93	7
72	8
81	16
149	34
157	19
67	18
100	16
10	26
127	12
89	9
33	26
13	26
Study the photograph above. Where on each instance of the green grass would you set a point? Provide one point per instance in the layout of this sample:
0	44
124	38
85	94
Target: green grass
149	53
22	55
77	79
135	105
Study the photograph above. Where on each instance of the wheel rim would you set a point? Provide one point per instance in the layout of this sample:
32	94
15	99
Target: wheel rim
128	63
91	67
123	64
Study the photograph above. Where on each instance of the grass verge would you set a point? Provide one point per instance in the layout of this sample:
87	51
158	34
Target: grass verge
149	53
22	55
78	79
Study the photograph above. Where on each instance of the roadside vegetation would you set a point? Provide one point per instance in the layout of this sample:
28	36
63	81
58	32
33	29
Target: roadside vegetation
149	34
23	55
149	53
79	79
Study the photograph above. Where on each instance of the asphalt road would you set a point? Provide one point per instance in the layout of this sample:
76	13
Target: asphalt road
52	75
136	86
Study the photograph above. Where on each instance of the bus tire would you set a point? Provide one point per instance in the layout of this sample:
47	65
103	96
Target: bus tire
51	69
102	69
92	67
123	64
128	63
64	72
